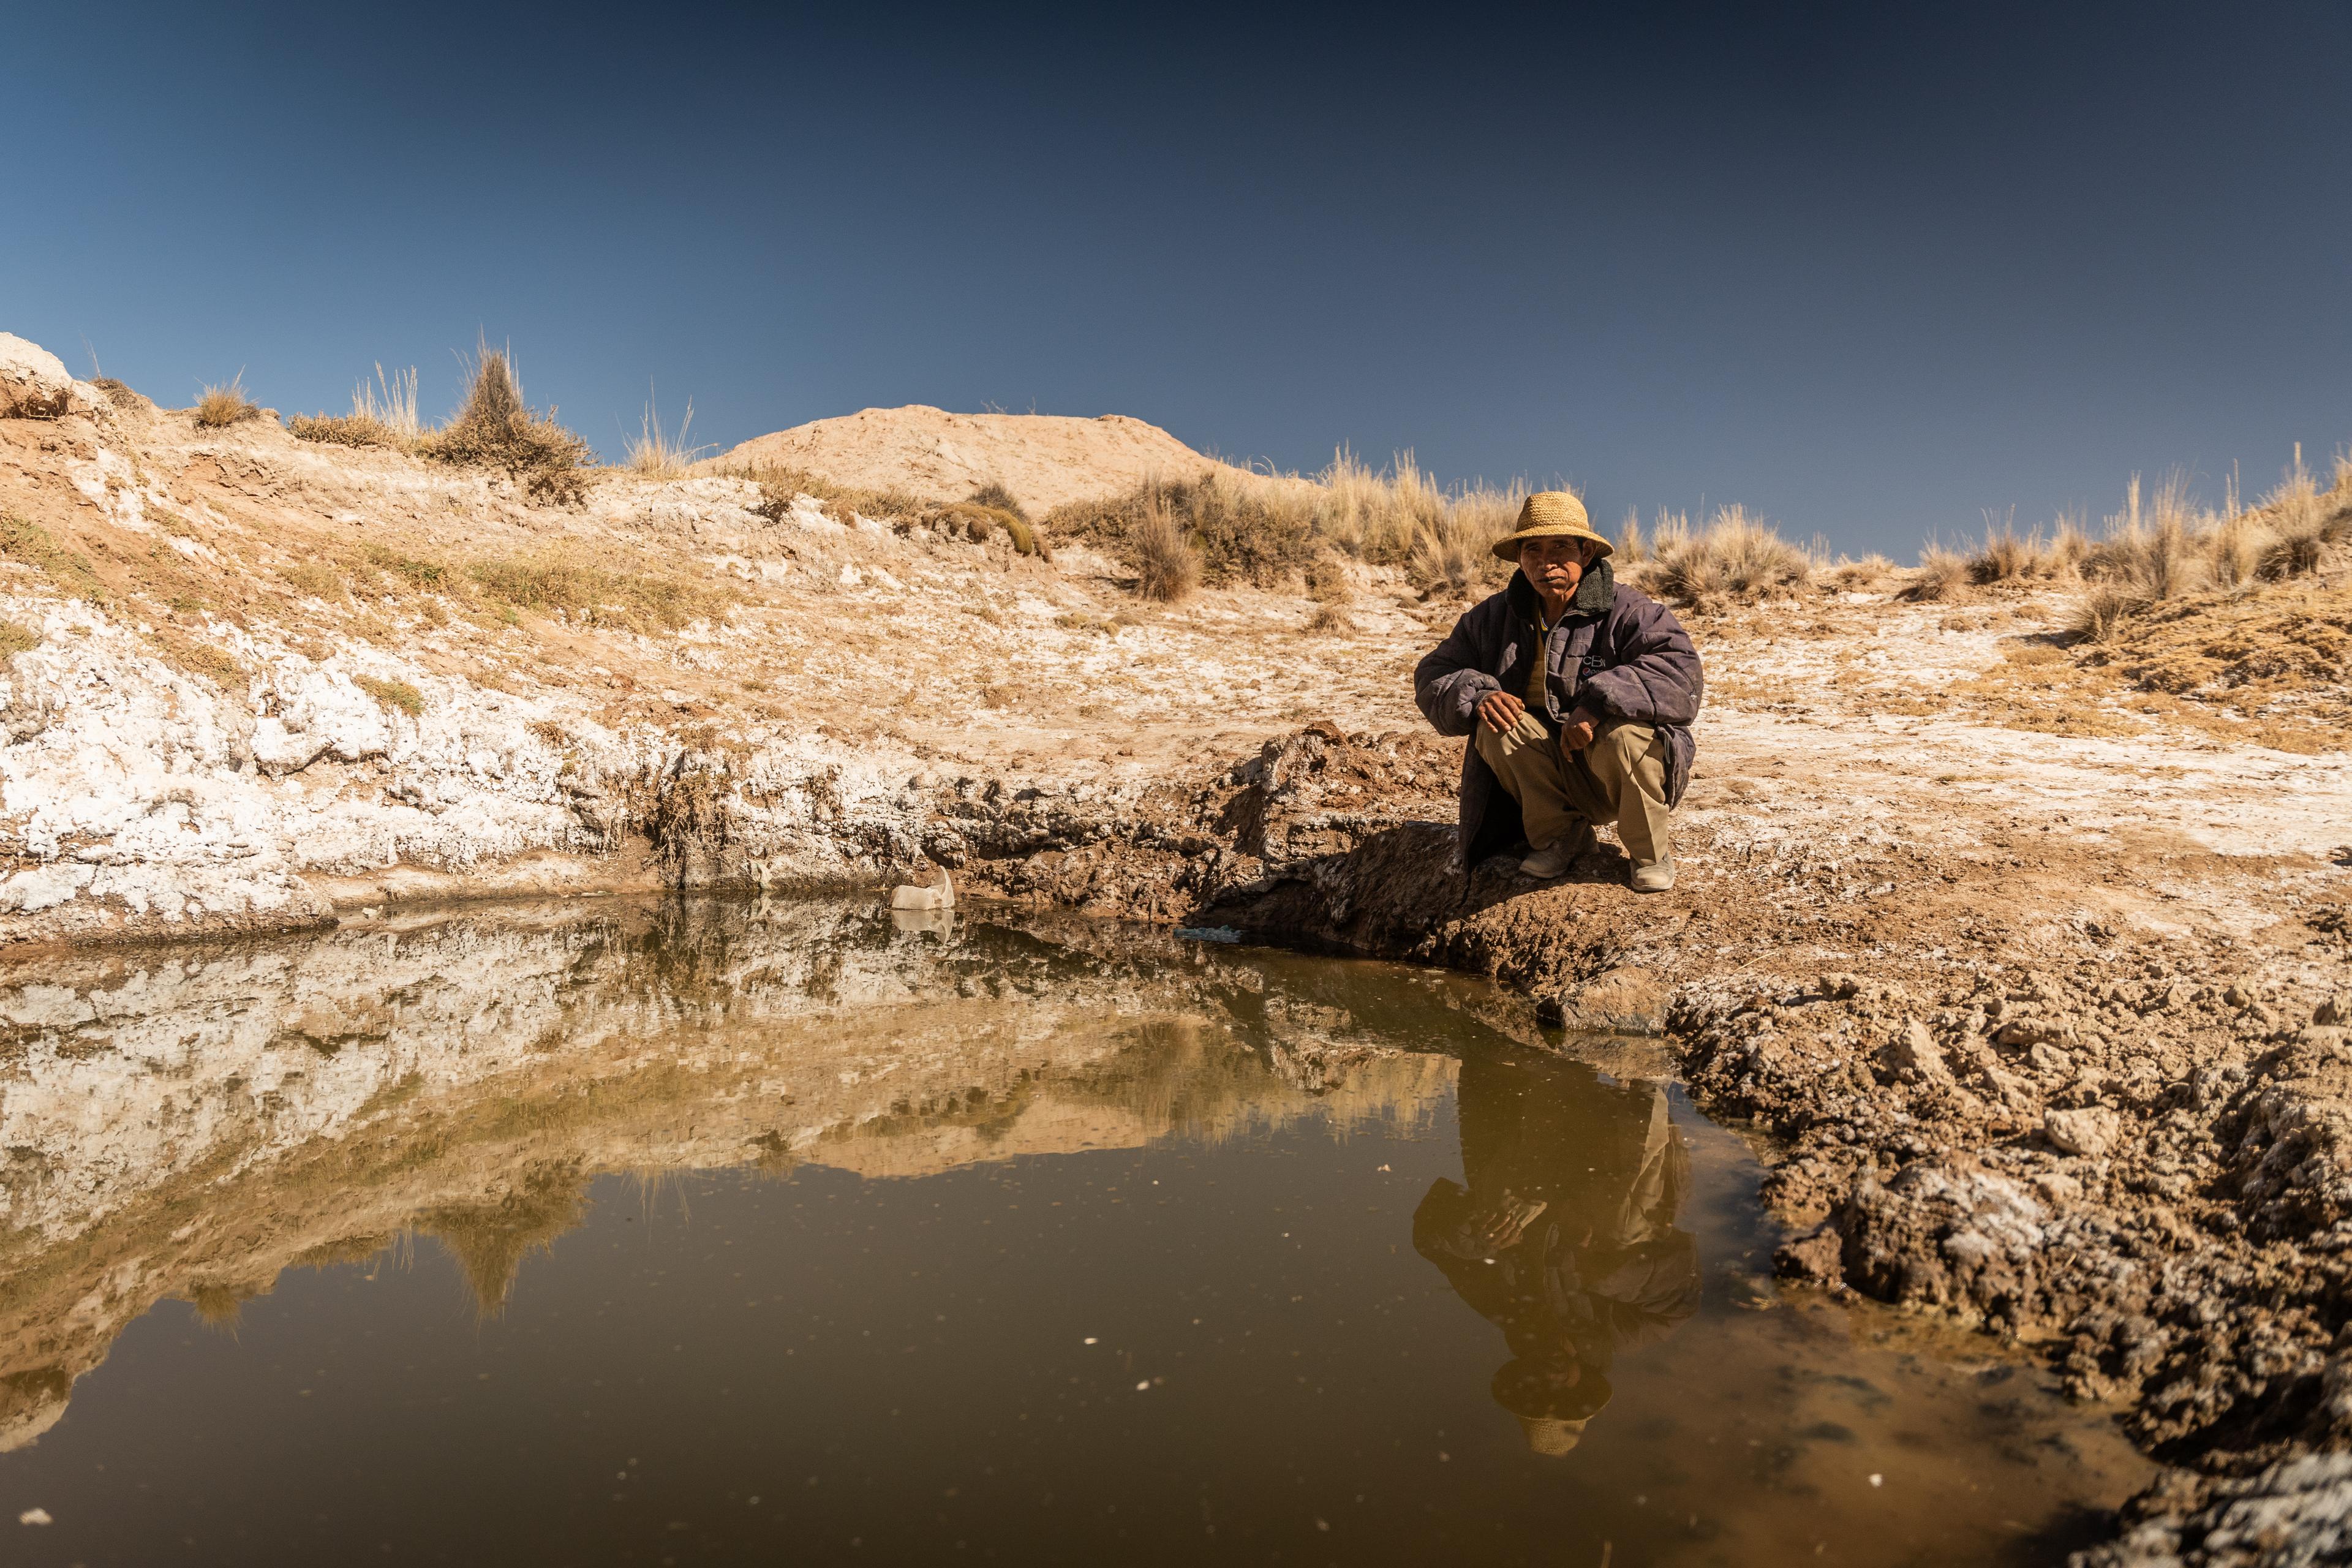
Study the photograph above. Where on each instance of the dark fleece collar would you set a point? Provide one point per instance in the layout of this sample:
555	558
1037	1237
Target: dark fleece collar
1593	595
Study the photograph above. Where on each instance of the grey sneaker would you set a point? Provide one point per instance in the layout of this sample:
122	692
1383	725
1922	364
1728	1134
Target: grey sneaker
1555	860
1654	876
1545	864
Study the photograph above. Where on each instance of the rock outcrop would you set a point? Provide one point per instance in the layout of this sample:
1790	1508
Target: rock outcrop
35	384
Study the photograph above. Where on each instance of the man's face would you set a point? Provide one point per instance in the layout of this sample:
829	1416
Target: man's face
1556	565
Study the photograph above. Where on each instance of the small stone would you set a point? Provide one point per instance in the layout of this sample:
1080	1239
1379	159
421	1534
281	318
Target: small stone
2089	1133
2331	1010
1816	1257
1914	1049
2051	1059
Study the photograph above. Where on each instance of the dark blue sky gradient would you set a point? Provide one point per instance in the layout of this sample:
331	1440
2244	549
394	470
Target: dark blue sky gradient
1866	270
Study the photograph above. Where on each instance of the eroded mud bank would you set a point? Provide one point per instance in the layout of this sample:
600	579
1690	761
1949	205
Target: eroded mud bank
1994	1085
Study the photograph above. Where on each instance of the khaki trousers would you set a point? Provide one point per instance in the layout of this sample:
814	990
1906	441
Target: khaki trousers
1620	778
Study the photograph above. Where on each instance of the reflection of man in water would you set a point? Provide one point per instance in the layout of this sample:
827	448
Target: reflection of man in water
1565	1236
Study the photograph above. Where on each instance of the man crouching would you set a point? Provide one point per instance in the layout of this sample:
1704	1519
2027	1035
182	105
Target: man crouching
1578	694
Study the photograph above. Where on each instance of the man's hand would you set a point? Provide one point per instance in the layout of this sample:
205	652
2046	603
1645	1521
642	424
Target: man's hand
1577	732
1501	1224
1500	709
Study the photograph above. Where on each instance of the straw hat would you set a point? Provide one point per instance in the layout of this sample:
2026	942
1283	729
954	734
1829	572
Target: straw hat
1551	1436
1550	514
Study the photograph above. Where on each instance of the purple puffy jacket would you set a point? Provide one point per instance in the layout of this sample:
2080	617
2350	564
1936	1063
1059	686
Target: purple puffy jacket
1615	643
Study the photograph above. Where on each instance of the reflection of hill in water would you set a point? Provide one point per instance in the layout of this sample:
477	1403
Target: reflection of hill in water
190	1123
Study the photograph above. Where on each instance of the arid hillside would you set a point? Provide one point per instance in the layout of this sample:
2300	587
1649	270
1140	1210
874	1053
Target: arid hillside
1046	460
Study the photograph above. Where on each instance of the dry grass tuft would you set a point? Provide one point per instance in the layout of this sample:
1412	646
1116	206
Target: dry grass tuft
1737	559
1233	526
2007	556
1402	516
1267	528
2148	557
226	405
341	430
2269	669
15	639
1943	577
1632	547
382	414
1167	566
391	403
780	485
496	429
1452	557
397	694
656	454
121	394
1851	576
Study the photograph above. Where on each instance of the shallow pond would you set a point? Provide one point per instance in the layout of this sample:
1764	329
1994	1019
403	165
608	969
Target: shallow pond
711	1232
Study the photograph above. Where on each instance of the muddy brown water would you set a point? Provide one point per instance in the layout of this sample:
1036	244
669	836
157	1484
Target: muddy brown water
614	1232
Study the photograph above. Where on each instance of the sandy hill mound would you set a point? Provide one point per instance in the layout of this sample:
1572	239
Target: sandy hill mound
1045	459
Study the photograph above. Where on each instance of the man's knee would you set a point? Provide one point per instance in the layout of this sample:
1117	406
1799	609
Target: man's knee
1629	758
1628	743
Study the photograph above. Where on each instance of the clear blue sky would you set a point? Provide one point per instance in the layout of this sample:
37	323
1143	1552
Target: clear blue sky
1865	269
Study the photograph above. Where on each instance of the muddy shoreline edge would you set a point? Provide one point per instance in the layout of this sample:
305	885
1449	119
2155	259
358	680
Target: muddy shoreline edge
2125	1149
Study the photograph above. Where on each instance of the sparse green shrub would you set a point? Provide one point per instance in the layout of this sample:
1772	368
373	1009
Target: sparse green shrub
993	493
591	595
15	639
28	543
428	576
978	523
397	694
209	659
1014	519
226	405
316	579
496	429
